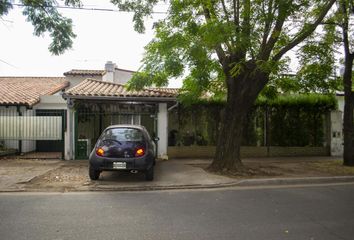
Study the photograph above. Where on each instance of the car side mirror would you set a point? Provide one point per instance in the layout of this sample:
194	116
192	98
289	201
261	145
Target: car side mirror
156	139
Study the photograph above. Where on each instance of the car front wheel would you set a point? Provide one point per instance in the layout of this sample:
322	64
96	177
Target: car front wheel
93	173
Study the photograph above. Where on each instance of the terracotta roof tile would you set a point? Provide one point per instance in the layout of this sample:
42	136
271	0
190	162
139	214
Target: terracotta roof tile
174	91
85	72
27	90
92	88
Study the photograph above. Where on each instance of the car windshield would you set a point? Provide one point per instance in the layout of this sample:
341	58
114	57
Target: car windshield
123	135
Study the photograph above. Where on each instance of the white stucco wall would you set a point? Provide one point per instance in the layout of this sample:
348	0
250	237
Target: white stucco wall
340	100
121	76
108	77
51	102
337	128
336	133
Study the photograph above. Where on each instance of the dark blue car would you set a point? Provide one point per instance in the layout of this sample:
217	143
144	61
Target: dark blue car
123	148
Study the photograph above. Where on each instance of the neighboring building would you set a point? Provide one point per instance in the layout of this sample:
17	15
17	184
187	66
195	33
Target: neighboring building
76	76
21	100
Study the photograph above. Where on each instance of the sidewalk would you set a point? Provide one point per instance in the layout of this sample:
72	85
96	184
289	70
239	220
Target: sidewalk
61	176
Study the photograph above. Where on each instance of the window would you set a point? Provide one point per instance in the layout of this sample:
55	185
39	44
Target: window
123	135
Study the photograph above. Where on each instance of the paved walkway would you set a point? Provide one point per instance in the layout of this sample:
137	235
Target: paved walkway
54	175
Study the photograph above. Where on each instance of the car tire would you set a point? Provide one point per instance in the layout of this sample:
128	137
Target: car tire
94	174
149	174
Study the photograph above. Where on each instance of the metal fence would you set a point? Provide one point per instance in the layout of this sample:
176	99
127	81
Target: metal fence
30	130
31	127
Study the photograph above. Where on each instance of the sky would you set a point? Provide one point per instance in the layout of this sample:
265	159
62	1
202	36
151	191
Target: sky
101	36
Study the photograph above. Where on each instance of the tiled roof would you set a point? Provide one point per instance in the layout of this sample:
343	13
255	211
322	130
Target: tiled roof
27	90
85	72
96	88
174	91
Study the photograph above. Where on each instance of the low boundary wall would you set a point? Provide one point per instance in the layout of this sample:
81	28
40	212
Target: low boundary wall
209	151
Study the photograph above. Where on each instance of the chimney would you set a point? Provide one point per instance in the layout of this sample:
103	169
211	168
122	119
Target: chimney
110	69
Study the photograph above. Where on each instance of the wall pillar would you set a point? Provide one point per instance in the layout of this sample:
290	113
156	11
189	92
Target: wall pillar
162	131
336	134
70	135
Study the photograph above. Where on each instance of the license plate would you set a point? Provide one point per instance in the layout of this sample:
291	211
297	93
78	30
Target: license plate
119	165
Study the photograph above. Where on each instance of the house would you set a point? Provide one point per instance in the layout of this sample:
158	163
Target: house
98	98
90	100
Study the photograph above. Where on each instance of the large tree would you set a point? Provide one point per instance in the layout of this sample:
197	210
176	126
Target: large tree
239	42
318	55
44	16
346	8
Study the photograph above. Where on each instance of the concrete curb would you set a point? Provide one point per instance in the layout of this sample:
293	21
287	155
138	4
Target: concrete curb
241	183
290	181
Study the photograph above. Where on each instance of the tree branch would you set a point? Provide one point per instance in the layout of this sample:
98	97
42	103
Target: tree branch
225	11
246	26
268	24
212	14
268	47
218	48
345	26
302	36
245	30
236	6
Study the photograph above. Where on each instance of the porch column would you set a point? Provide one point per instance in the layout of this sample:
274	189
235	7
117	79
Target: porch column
70	135
162	131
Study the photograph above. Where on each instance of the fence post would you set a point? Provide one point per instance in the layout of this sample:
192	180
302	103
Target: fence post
19	141
63	134
267	131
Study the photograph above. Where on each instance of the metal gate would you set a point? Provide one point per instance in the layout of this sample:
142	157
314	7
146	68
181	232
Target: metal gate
33	130
92	118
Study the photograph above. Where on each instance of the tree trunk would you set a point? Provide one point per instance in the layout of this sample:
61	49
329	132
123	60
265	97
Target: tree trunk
348	156
242	92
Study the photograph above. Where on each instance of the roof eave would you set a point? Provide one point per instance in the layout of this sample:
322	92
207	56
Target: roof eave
121	99
17	105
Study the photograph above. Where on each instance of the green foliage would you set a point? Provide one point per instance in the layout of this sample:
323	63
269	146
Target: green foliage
202	41
304	101
45	17
310	102
5	6
295	120
296	127
317	61
141	9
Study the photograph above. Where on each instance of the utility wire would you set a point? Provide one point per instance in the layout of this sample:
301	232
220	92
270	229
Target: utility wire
8	63
88	9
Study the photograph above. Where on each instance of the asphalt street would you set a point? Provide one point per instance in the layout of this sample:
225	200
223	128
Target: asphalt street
317	212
